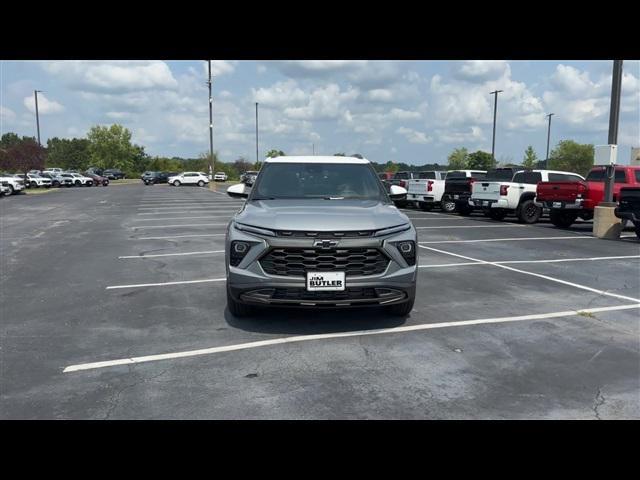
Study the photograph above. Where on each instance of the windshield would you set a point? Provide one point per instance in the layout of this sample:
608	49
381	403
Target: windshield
317	180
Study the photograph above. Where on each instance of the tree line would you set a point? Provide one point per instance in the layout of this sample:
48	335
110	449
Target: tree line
112	147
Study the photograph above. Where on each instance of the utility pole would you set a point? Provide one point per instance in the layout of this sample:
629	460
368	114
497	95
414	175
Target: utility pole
495	111
546	161
614	115
211	164
35	92
313	149
257	159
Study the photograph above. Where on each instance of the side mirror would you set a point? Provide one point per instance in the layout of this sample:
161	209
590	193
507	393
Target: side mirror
238	191
396	192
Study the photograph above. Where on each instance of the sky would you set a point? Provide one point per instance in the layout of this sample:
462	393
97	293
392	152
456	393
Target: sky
415	112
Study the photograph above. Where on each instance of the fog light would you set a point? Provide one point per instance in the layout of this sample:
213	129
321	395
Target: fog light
238	251
408	251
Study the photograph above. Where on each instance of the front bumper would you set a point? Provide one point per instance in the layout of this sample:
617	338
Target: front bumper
249	283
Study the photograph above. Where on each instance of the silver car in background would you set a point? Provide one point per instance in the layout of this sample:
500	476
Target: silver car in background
320	232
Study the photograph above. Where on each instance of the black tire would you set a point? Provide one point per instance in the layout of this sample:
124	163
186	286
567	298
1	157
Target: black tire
562	219
465	210
176	183
496	214
529	212
201	183
447	205
11	190
105	183
56	184
425	206
34	185
238	309
400	203
78	183
401	309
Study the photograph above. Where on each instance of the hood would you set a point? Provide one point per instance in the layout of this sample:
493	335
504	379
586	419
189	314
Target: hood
321	215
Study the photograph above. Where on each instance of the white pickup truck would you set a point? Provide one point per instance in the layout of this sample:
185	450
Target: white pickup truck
498	199
426	188
13	183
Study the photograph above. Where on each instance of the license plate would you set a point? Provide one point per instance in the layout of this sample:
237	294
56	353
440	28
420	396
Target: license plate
557	204
325	281
485	203
456	197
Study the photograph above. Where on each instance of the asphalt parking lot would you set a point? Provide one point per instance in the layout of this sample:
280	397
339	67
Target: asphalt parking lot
113	307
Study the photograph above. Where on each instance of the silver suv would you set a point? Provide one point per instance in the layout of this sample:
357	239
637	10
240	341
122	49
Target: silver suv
319	232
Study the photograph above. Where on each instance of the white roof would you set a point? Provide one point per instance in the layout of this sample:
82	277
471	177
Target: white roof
316	159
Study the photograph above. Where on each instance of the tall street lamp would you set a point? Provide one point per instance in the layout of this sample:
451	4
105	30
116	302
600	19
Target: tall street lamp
35	92
546	161
614	116
211	164
257	159
495	112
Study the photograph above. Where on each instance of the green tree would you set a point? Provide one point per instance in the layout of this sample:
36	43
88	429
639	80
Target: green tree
111	147
275	153
458	159
391	167
339	155
480	160
530	159
9	139
571	156
357	155
70	154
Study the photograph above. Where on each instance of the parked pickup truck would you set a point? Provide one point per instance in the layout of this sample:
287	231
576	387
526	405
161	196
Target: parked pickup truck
425	189
517	196
568	200
457	190
629	206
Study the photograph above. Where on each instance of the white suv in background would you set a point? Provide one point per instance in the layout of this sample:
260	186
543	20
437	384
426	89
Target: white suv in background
189	178
79	180
14	184
220	177
36	181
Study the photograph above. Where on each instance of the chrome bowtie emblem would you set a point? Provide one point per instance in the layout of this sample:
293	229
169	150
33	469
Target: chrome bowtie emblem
325	244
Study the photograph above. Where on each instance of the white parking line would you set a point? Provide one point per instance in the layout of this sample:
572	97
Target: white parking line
509	262
180	236
326	336
183	225
187	211
164	284
545	277
173	254
177	218
505	239
470	226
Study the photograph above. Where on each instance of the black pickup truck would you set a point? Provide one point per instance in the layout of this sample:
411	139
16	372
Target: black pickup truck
629	206
457	190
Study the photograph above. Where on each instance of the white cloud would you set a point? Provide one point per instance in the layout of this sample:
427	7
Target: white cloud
45	106
218	68
323	103
461	136
480	71
6	114
400	114
413	136
113	76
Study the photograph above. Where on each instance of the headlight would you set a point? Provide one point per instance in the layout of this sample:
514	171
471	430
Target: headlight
256	230
238	251
408	251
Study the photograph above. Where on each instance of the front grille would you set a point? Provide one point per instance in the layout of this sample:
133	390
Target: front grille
302	294
298	261
313	234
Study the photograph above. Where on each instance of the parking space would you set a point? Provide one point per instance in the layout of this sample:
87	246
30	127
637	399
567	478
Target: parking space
114	307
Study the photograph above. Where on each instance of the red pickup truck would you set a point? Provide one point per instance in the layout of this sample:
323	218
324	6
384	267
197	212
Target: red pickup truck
567	200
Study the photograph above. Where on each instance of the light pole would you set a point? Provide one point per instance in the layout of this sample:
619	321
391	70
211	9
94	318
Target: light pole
211	164
35	92
257	159
614	115
495	112
313	148
546	161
